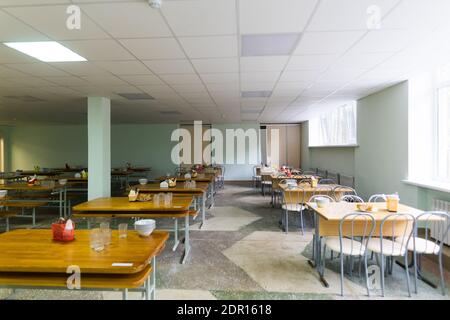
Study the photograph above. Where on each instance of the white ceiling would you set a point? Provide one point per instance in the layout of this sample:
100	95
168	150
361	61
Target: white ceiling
187	56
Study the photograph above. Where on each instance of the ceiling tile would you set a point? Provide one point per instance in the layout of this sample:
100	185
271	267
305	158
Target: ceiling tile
158	48
99	50
327	42
67	81
170	66
274	16
128	20
53	23
276	63
141	80
311	62
189	88
210	47
79	68
124	67
13	30
257	86
216	65
346	15
38	69
108	80
181	78
384	41
362	60
220	77
303	75
201	17
260	76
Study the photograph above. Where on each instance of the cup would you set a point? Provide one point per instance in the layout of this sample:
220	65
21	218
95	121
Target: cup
123	227
106	233
392	202
168	199
96	240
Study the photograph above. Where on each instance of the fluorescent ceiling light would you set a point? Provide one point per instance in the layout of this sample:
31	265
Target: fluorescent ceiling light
269	44
46	51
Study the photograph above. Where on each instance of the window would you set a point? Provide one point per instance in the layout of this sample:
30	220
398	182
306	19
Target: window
335	128
429	127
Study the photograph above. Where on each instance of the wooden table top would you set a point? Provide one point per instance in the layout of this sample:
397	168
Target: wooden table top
308	188
201	187
201	177
118	204
26	187
34	250
335	211
295	177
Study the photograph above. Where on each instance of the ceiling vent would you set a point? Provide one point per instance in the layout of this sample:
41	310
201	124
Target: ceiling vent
136	96
269	44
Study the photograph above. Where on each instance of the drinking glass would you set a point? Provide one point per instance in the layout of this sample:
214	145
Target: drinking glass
96	240
123	227
106	233
156	199
168	199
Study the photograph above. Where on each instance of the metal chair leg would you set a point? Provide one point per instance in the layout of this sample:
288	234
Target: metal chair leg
407	274
441	270
301	222
342	274
415	270
366	271
286	221
382	275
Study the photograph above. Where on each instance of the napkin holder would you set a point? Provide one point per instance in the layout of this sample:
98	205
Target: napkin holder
164	185
133	195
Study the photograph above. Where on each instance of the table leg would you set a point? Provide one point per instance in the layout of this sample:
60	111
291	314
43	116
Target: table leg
66	210
203	210
176	235
317	263
125	294
60	203
212	196
153	285
187	245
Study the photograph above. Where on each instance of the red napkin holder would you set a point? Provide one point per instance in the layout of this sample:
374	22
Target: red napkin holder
61	234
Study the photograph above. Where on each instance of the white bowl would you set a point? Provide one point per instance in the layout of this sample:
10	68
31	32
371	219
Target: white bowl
145	227
322	202
3	193
62	182
143	181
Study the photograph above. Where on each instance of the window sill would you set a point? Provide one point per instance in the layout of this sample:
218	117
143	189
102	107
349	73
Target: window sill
433	185
336	146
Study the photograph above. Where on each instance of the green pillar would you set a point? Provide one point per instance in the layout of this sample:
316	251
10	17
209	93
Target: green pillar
99	140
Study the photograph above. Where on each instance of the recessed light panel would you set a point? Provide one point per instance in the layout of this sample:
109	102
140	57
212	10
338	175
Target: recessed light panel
256	94
46	51
269	44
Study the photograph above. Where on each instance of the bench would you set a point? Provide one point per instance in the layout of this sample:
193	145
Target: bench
6	214
26	205
140	282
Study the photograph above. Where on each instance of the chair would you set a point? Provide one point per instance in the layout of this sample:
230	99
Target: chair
313	199
428	245
347	181
293	202
266	182
377	198
401	227
327	181
340	191
351	198
346	244
323	190
256	175
221	176
309	173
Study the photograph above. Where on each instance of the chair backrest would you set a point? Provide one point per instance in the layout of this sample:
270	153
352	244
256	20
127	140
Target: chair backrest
398	226
327	181
304	181
357	225
296	195
333	176
352	198
309	172
378	198
321	172
324	189
340	191
439	222
314	198
348	181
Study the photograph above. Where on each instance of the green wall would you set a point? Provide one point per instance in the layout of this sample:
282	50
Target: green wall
380	162
141	145
337	160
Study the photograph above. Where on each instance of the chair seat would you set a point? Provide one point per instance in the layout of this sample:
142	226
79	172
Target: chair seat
423	246
349	247
293	207
390	248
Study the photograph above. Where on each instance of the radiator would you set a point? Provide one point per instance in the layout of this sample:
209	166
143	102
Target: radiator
441	205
